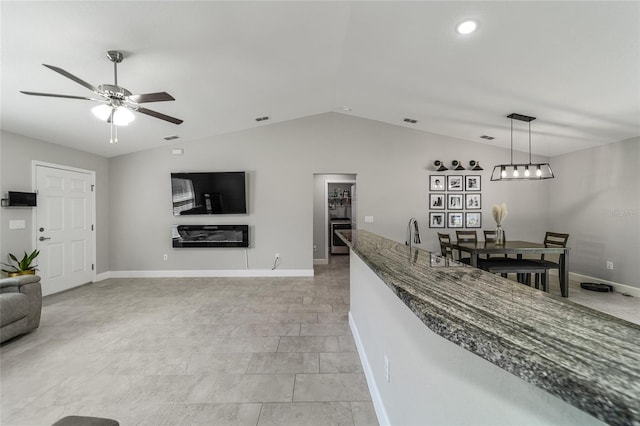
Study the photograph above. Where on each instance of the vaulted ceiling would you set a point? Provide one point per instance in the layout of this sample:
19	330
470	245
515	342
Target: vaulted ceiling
573	65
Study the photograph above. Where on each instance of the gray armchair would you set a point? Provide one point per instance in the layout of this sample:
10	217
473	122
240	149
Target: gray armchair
20	305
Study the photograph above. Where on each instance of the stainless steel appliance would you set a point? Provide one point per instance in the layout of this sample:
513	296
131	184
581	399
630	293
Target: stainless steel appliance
337	245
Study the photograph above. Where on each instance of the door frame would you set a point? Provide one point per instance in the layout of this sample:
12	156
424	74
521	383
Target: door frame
327	229
34	219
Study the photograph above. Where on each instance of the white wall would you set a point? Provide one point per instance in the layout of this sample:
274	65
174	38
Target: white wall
595	197
433	381
392	164
15	171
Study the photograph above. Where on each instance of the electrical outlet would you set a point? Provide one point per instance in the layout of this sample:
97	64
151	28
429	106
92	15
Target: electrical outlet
387	373
165	257
277	256
368	219
610	265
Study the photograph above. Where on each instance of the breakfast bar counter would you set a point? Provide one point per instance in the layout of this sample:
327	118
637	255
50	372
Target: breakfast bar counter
445	343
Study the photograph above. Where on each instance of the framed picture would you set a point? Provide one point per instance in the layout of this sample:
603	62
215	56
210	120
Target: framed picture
436	201
455	201
436	183
473	220
473	201
472	183
454	183
436	220
455	220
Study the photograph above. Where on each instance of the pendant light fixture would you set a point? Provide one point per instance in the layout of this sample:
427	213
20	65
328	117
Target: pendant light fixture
522	171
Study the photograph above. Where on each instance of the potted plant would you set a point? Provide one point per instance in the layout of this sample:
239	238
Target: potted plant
22	266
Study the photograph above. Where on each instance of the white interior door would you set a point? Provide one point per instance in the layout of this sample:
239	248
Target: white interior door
64	227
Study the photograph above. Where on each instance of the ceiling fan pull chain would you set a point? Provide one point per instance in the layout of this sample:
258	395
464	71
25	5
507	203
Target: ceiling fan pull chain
111	126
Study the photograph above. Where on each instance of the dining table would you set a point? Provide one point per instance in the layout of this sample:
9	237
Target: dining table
517	248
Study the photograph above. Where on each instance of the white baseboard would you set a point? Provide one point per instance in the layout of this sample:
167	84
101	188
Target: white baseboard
320	261
102	276
617	287
383	419
214	273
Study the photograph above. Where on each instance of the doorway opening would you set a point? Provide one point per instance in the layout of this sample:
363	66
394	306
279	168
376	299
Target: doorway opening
335	208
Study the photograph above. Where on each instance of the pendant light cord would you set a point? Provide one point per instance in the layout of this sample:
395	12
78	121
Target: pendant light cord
511	140
529	142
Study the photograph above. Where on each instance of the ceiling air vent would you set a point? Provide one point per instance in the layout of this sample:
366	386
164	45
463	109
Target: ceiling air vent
487	137
265	118
410	120
170	138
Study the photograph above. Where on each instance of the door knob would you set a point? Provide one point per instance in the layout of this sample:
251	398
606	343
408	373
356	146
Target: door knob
43	238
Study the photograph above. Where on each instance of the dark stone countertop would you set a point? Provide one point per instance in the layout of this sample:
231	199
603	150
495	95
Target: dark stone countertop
585	357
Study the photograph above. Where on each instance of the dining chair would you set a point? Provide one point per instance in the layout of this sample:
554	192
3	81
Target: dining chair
466	237
490	237
445	249
551	239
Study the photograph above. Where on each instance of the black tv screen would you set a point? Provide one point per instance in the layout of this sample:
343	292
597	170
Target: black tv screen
208	193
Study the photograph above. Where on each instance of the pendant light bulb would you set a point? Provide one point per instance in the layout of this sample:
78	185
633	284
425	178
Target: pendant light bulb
538	172
503	173
515	171
102	111
122	116
526	171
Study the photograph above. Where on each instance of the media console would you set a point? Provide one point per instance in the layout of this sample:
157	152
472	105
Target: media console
186	236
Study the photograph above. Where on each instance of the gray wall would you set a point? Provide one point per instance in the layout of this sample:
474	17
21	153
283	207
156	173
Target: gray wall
392	164
595	198
17	152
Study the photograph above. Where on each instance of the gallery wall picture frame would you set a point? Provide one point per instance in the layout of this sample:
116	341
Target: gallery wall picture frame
473	220
455	220
437	220
473	183
437	201
473	201
437	182
455	183
455	201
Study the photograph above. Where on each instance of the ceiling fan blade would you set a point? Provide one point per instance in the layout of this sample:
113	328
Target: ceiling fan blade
74	78
159	115
151	97
53	95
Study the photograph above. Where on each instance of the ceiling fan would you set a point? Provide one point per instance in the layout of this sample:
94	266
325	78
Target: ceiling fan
116	102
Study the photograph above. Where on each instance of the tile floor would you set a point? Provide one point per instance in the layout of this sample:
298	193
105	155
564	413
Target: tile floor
203	351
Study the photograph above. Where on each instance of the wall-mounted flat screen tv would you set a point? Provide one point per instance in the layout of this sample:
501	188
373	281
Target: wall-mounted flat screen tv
209	193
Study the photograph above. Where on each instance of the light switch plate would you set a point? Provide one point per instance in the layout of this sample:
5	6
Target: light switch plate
16	224
368	219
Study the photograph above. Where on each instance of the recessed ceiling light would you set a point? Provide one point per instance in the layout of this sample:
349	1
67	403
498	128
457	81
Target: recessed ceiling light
346	108
467	27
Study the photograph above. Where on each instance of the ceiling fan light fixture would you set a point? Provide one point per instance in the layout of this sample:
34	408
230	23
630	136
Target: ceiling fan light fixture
102	111
122	116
